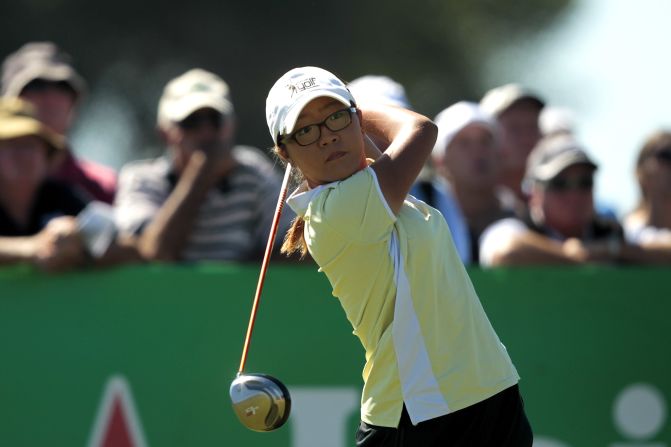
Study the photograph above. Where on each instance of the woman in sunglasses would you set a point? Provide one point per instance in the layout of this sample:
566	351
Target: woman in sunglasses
392	264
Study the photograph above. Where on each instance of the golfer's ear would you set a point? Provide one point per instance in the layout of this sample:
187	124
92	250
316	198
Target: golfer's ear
281	152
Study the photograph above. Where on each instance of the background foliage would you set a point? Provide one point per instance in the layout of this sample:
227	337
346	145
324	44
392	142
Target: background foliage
128	49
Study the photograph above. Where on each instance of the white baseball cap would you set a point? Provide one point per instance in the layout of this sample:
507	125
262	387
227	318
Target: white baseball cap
454	119
499	99
379	89
195	89
39	60
294	90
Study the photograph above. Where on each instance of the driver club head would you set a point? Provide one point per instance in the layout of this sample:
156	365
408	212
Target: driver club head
261	402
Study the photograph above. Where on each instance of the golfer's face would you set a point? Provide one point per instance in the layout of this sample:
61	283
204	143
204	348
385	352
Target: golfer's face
322	154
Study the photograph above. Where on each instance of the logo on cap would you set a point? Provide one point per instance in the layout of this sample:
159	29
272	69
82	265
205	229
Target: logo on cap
303	85
200	87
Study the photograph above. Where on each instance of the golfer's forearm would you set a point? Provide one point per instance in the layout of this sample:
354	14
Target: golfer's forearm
165	237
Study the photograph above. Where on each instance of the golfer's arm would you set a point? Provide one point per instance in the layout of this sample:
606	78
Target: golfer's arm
165	237
409	139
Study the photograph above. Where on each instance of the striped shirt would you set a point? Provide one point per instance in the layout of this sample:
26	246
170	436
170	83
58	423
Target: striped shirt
234	220
428	342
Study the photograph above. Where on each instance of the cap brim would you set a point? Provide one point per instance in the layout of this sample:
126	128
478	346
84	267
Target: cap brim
22	127
53	73
178	111
551	170
296	109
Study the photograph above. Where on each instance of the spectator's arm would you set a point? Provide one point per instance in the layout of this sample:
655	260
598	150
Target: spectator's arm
17	249
532	248
124	250
57	247
166	235
649	253
510	242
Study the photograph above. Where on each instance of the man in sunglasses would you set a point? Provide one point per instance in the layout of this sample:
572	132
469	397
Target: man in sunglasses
205	199
561	226
41	74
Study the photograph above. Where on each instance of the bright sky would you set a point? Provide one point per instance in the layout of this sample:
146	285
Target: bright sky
607	61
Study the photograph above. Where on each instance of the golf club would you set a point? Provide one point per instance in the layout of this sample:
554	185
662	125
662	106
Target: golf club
261	402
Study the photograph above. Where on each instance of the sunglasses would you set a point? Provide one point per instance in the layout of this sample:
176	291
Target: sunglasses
663	156
335	122
44	85
562	184
196	120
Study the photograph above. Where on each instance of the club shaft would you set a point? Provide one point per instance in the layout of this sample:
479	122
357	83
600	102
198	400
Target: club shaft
264	266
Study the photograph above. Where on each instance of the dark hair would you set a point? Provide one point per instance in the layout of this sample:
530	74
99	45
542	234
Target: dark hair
657	141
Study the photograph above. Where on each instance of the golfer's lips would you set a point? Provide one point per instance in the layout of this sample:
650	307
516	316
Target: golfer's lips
335	155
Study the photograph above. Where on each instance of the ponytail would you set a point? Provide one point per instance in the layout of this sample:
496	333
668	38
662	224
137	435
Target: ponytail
294	241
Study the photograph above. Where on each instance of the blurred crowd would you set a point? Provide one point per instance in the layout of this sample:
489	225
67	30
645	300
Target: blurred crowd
508	174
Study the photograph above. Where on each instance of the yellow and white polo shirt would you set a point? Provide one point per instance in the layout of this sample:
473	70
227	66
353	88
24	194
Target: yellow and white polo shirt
409	299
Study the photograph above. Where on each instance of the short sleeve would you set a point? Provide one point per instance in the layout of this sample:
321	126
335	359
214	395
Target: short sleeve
355	208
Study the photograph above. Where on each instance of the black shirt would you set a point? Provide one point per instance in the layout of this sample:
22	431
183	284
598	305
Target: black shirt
53	199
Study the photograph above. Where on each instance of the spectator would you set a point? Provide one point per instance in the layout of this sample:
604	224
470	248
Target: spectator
556	120
384	90
466	157
36	223
517	112
379	89
561	226
650	222
40	73
205	199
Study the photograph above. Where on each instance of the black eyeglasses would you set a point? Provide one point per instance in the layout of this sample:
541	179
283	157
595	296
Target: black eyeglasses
561	184
336	121
663	155
201	118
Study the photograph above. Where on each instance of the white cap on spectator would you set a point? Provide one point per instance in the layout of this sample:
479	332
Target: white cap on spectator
380	90
196	89
454	119
499	99
39	60
294	90
553	120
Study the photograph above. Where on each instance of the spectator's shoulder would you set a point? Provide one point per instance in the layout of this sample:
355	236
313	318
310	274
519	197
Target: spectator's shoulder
497	236
145	175
254	160
149	168
57	193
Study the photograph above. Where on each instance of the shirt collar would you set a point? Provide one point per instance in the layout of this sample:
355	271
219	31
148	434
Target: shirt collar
300	199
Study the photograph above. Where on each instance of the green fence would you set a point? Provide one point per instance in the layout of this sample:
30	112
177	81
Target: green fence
144	356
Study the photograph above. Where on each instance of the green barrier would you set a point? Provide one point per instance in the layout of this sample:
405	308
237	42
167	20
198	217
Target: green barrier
144	356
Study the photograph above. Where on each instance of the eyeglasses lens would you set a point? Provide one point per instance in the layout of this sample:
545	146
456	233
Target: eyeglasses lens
334	122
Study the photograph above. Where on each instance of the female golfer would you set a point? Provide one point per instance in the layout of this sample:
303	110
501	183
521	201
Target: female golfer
436	373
